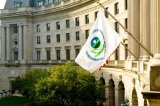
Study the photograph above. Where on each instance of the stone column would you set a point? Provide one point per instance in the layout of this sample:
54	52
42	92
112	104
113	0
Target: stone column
146	28
3	42
141	27
155	26
135	27
8	42
20	42
25	39
129	28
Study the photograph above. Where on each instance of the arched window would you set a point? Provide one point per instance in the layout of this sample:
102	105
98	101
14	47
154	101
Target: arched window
121	93
111	93
134	98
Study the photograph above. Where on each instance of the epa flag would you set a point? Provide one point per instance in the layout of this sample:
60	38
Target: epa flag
101	43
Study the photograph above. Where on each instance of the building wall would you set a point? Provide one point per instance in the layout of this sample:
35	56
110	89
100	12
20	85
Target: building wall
123	77
62	16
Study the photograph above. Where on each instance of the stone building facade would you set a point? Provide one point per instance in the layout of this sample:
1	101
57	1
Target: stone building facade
48	32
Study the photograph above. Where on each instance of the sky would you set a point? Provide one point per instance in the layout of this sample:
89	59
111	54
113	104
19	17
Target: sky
2	3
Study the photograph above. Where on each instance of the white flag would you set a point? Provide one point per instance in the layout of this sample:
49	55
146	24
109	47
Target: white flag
103	40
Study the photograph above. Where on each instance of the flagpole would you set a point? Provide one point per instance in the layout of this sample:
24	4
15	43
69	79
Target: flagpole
151	54
128	50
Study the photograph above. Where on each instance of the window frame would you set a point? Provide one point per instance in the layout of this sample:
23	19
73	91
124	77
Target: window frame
58	54
38	52
38	29
67	23
16	55
67	37
48	38
126	23
106	13
58	38
87	19
95	14
58	25
77	35
117	27
126	4
48	54
77	22
38	39
68	54
77	50
48	26
116	8
40	3
87	33
15	29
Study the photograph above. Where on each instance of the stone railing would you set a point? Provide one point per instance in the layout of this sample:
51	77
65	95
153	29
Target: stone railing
11	63
115	63
18	63
5	93
138	66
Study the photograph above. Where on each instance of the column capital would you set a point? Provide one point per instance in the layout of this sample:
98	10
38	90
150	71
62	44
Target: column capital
19	25
3	25
7	26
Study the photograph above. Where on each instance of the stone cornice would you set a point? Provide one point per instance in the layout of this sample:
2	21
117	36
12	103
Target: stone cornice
28	11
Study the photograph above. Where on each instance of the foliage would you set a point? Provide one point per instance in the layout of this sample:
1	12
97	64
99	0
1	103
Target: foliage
62	85
25	84
14	101
67	84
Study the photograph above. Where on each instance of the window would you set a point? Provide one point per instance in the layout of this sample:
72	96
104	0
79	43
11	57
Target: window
48	26
67	23
58	25
58	37
40	3
15	55
17	4
126	23
48	52
77	35
15	29
58	53
67	54
67	37
87	33
95	14
38	28
77	52
50	1
117	54
106	14
77	21
117	27
86	19
116	8
125	4
38	54
126	51
48	39
15	42
38	40
56	1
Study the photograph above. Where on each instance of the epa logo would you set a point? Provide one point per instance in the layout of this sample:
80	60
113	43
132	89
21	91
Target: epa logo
97	48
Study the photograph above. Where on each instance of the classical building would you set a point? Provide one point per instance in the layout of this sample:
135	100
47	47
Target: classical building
40	33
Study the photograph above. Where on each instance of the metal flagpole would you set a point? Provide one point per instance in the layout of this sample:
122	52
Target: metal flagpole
126	31
128	50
